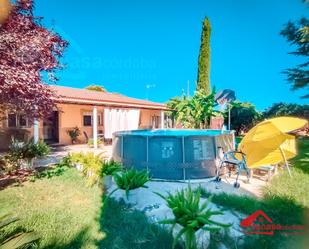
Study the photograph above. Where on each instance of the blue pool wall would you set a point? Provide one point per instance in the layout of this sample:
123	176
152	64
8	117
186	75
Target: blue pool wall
172	154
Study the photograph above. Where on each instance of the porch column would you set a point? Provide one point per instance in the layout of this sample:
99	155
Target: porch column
36	131
95	127
162	119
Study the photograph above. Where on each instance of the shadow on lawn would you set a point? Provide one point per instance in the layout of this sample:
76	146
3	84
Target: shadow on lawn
127	228
283	211
77	242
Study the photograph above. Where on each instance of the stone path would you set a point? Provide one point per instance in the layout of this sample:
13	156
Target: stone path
146	200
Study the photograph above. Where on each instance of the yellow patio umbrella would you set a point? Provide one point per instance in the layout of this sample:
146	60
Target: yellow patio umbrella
267	143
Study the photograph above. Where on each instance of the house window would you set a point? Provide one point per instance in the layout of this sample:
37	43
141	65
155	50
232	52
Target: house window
87	119
12	120
17	121
23	121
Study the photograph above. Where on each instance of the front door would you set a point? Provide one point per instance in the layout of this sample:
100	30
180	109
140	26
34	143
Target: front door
51	128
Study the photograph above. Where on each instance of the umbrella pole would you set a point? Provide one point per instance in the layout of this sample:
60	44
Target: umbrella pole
285	161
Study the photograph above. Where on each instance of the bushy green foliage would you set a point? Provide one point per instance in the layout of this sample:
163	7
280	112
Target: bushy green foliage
190	215
243	116
20	151
28	150
194	112
91	165
203	78
50	172
74	133
297	34
131	179
16	239
38	150
285	109
110	167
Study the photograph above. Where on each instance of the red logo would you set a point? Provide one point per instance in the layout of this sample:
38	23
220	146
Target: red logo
260	217
260	223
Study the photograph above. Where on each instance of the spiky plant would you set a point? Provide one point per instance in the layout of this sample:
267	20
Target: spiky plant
131	179
18	240
110	168
191	215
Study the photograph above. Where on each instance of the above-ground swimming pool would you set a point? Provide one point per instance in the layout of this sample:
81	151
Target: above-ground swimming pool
172	154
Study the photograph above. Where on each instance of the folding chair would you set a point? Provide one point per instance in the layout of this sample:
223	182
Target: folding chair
235	159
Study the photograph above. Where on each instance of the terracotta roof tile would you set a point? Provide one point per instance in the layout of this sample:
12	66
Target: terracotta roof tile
78	95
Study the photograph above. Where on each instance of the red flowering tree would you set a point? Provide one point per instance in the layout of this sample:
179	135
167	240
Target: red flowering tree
29	53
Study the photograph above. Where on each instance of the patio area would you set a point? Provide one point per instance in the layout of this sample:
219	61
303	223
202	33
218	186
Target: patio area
254	188
58	152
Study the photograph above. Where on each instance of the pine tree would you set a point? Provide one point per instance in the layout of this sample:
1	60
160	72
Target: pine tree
203	78
297	34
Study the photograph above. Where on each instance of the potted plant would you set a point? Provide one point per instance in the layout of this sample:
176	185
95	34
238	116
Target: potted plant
89	164
27	151
192	221
109	168
35	150
74	133
130	180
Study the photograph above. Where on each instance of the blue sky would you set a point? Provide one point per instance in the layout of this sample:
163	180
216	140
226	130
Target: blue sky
127	45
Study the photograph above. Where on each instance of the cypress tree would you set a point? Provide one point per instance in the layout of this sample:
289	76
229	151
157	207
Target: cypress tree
203	78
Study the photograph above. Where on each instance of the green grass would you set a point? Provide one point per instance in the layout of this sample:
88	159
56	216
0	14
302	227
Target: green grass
285	200
68	214
127	228
61	209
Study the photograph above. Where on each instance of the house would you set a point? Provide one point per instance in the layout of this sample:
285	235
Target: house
94	113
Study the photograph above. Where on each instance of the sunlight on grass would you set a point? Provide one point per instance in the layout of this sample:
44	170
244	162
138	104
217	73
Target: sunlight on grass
61	209
285	200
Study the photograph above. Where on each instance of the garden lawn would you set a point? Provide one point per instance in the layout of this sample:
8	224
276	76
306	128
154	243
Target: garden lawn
285	201
61	209
67	214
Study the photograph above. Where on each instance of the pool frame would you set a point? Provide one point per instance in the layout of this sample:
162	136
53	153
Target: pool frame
207	166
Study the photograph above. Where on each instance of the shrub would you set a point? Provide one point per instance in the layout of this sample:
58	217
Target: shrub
92	165
74	133
16	150
35	150
76	157
110	168
131	179
19	151
190	215
8	165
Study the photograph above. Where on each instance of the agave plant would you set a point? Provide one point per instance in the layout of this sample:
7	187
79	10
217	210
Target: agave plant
191	216
18	240
130	179
110	168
